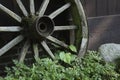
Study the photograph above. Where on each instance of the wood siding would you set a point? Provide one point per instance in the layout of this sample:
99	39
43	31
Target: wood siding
103	22
95	8
103	30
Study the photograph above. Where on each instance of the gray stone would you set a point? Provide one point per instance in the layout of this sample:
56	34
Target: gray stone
110	52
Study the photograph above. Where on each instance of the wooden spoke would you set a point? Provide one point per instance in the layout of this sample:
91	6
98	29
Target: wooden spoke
24	50
45	46
20	4
72	37
71	27
10	29
9	12
32	7
11	44
36	50
60	43
56	41
43	8
60	10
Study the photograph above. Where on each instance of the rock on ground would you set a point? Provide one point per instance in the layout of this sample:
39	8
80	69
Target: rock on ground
110	52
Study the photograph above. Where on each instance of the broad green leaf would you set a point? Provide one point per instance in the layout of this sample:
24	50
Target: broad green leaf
73	48
62	56
66	57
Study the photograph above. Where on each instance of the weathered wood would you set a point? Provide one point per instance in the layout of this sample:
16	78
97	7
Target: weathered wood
117	7
36	50
11	44
90	7
45	46
112	6
24	51
56	41
104	29
84	29
102	7
59	11
83	47
95	8
57	28
43	7
10	29
72	37
32	7
20	4
63	11
9	12
83	2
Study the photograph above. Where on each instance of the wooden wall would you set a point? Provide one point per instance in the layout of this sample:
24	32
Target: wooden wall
103	22
102	30
101	7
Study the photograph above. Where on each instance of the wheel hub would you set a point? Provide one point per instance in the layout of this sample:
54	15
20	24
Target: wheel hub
38	28
34	29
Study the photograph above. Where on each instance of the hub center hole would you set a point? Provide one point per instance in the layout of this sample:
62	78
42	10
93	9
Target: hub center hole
42	27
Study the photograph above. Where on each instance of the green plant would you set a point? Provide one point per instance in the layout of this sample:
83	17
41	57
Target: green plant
93	67
65	67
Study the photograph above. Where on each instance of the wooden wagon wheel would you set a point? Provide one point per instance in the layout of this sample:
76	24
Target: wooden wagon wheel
40	30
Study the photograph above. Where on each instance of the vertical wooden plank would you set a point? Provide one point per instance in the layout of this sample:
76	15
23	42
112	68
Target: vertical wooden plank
91	8
117	6
102	7
112	7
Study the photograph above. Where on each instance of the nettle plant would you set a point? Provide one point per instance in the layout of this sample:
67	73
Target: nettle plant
66	67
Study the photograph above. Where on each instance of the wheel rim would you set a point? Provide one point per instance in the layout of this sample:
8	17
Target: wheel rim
39	29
